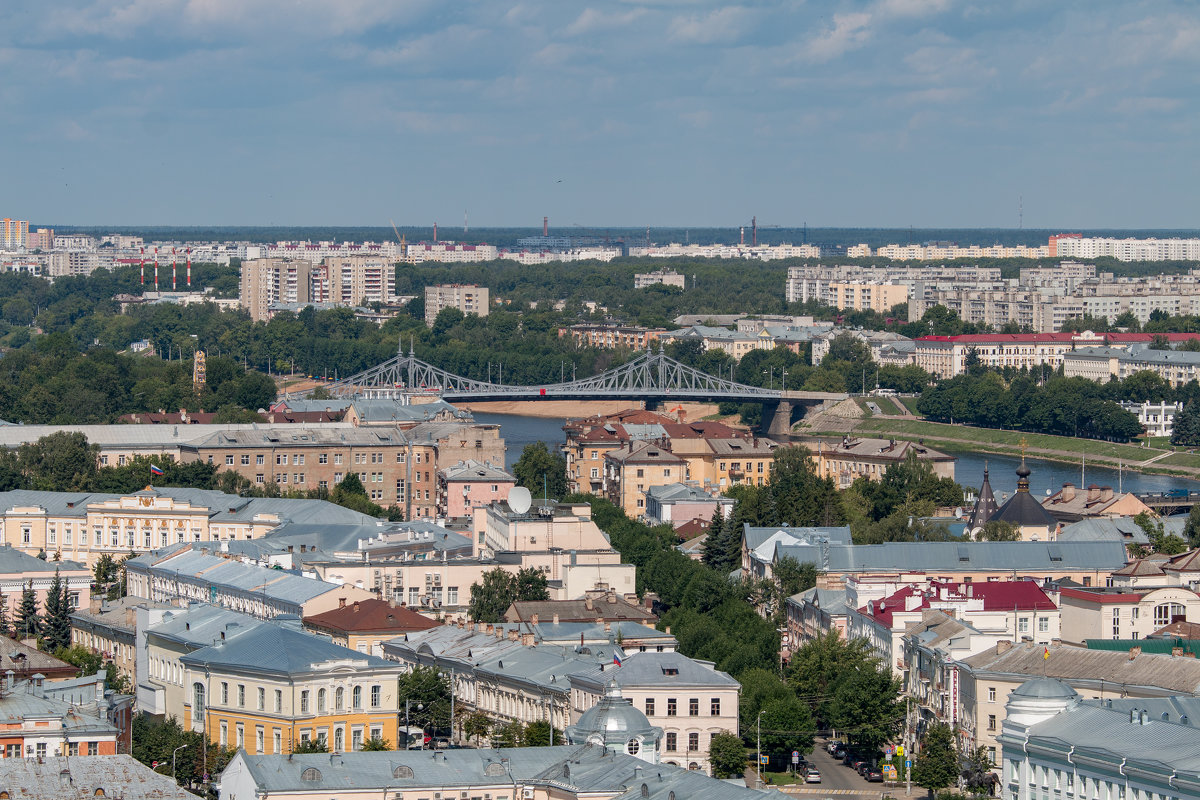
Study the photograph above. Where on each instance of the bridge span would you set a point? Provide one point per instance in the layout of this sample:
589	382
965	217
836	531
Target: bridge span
650	377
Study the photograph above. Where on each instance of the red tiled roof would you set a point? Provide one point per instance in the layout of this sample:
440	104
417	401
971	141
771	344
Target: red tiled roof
996	596
1103	598
369	616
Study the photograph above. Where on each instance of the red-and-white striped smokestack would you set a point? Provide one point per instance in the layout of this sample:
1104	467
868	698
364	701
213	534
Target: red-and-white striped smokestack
174	272
142	265
545	226
435	232
754	230
156	269
189	268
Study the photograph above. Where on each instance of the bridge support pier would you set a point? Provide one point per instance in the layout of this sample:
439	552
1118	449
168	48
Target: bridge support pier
777	418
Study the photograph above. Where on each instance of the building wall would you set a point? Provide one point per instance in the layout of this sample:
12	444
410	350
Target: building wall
289	710
274	280
680	724
468	299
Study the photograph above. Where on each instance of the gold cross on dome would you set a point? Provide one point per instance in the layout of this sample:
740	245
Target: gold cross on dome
1022	448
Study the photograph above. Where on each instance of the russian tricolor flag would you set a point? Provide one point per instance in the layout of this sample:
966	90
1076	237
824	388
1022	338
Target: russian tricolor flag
616	658
155	469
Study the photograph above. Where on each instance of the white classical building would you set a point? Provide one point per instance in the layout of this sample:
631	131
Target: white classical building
1054	744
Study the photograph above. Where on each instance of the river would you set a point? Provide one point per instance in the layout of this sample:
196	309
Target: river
1047	476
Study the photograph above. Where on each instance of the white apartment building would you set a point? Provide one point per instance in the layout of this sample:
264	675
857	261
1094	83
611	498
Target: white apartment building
466	297
667	277
266	281
354	280
1157	418
1126	249
449	253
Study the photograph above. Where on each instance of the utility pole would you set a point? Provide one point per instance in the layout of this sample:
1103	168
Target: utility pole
758	764
908	753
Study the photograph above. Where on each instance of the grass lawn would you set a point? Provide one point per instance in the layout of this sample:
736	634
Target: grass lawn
891	405
910	403
1010	440
781	778
1180	460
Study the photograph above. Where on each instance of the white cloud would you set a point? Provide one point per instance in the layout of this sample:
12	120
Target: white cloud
849	32
592	20
720	25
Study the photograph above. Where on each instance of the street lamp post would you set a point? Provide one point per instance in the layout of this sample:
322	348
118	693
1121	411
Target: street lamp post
173	755
785	380
408	727
758	765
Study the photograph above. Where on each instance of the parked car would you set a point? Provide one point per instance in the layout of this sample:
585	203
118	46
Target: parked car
874	775
862	768
812	776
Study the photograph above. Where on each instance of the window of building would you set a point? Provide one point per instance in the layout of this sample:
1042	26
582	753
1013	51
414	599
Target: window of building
693	742
714	707
1043	624
241	695
245	461
262	699
649	706
323	458
277	741
72	748
320	701
356	739
991	694
224	734
671	741
339	698
670	706
376	691
339	739
260	459
224	693
694	707
337	458
1022	625
278	701
304	702
93	748
991	722
229	460
259	739
241	734
1165	613
356	697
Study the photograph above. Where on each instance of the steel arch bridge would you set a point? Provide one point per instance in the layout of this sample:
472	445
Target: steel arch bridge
650	376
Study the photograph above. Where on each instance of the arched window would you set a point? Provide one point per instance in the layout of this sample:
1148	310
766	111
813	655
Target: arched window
339	699
1166	613
339	738
633	746
198	700
357	697
402	772
320	700
311	774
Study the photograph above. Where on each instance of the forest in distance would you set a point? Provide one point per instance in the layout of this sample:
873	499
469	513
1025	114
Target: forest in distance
507	236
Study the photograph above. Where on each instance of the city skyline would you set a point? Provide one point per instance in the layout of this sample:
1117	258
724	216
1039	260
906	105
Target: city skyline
931	113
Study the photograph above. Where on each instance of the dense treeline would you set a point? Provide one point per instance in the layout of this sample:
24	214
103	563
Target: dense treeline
1062	406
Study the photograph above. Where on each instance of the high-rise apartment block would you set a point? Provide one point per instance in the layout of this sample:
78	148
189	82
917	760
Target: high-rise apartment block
16	233
467	298
274	280
354	280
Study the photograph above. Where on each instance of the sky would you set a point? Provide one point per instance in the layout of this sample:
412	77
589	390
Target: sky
875	113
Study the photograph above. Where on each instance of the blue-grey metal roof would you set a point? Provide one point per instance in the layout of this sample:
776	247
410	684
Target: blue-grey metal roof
658	671
231	574
755	537
201	624
586	769
373	410
683	492
1023	558
276	647
13	560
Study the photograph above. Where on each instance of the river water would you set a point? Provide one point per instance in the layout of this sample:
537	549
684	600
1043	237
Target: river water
519	431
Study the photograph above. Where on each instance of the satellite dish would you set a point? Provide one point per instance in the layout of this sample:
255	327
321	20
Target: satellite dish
519	499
